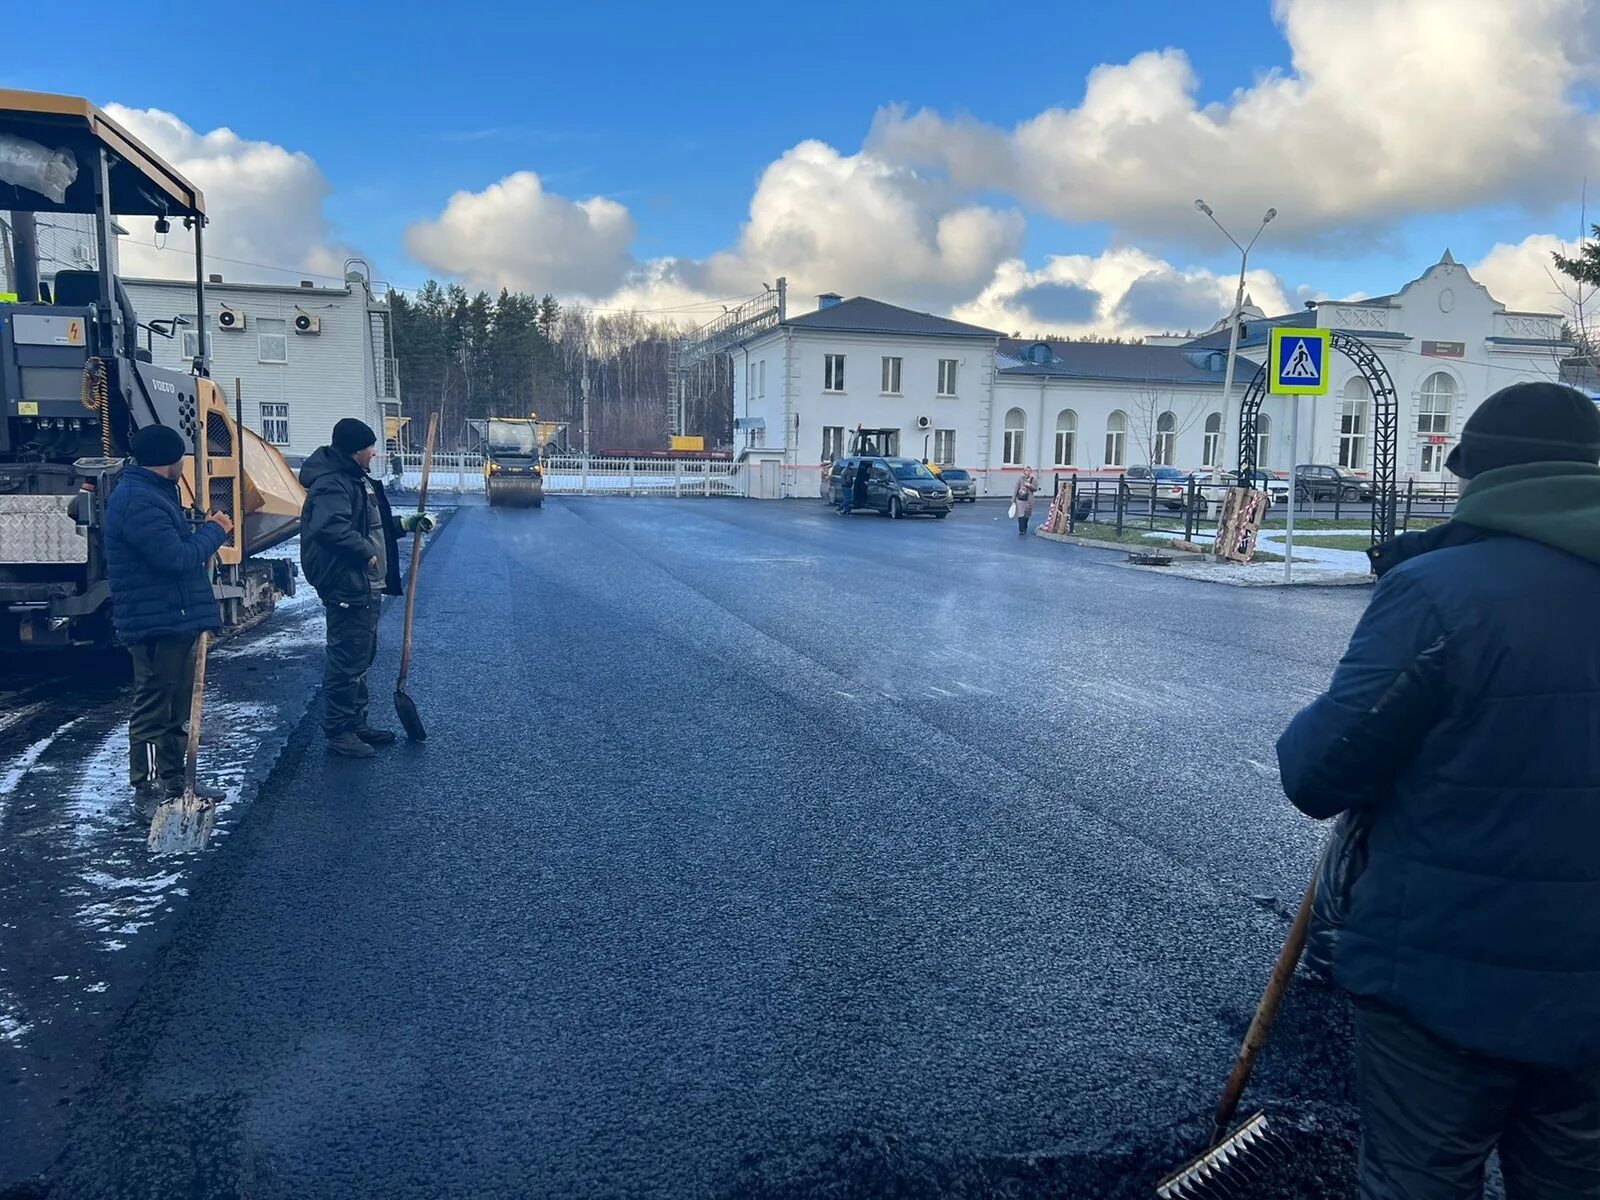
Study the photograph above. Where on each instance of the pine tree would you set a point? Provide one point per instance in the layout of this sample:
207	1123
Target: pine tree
1586	267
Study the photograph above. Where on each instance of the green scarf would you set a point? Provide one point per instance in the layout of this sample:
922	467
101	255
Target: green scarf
1557	503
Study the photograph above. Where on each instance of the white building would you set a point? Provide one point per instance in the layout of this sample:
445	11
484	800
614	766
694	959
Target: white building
800	387
304	356
1087	407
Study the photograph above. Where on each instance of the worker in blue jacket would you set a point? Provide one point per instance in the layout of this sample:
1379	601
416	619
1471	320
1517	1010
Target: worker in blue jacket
1460	737
158	566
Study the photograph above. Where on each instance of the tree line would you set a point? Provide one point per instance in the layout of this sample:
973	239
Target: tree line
468	356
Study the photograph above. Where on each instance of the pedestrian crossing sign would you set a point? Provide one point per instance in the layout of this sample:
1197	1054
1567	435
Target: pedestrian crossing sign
1299	362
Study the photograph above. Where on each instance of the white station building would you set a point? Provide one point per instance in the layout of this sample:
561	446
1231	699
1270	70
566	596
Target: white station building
970	397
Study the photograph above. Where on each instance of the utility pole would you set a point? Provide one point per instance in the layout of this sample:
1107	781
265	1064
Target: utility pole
584	387
1233	334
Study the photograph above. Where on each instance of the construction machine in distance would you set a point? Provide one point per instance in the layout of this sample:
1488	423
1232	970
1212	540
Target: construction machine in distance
511	470
75	386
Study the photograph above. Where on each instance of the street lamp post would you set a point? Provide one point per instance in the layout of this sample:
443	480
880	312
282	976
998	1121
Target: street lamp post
1233	321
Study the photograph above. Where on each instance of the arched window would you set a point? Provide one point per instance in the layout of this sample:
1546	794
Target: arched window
1066	437
1355	418
1263	440
1016	430
1166	439
1213	441
1117	439
1434	403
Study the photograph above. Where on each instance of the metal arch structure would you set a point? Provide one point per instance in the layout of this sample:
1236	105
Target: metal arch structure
694	361
1385	429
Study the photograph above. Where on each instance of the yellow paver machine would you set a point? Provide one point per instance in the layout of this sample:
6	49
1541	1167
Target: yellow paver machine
75	386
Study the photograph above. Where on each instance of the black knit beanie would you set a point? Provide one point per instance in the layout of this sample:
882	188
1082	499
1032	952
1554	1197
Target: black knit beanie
1528	423
158	446
351	436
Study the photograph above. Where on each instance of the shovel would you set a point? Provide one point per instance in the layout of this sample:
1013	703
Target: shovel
404	706
184	825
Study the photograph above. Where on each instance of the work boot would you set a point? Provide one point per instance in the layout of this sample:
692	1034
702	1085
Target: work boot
202	790
375	737
146	798
350	746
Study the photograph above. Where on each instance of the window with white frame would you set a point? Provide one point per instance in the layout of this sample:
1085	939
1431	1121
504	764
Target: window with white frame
947	376
761	379
833	373
275	423
1166	444
191	339
1434	403
832	442
1263	440
1066	437
944	447
1117	439
1212	445
272	339
1355	415
891	376
1013	447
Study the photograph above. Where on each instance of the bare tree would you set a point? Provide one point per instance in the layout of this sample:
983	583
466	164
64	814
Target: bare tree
1159	417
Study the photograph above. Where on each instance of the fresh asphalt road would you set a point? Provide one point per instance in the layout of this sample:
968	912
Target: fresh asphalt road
753	852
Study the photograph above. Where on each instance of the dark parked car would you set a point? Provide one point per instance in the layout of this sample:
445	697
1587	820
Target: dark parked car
961	484
895	487
1315	482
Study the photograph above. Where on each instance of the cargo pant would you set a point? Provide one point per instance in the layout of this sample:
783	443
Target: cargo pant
1431	1113
163	686
352	645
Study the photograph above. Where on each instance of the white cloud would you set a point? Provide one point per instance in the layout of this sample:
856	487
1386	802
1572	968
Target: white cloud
1522	275
516	235
1392	107
857	224
265	205
1132	293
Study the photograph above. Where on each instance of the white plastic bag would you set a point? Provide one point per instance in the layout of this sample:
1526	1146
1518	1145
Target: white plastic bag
1012	511
32	166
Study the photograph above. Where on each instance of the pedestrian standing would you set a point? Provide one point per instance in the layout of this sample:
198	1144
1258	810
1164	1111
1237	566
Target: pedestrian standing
158	567
350	555
1459	735
1022	500
847	489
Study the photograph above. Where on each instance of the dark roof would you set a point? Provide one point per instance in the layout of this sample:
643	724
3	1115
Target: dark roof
859	314
1115	360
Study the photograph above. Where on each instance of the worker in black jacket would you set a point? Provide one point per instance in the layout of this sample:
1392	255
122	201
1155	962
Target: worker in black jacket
349	553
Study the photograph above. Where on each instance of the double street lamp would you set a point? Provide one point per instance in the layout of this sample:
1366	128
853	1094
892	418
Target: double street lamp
1233	336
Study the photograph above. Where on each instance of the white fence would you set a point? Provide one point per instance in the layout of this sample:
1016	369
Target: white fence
575	475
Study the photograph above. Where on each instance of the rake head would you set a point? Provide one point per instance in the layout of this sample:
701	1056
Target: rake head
1229	1166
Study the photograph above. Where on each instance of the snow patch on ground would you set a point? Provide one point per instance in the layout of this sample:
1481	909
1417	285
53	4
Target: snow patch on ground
24	762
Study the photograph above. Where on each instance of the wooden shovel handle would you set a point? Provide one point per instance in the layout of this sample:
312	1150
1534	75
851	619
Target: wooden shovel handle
191	755
416	552
1256	1036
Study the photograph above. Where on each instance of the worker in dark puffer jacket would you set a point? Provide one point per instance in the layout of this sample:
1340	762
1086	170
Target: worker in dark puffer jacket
161	601
349	552
1470	941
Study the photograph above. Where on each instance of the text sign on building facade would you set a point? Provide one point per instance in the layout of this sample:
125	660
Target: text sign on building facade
1445	349
1298	365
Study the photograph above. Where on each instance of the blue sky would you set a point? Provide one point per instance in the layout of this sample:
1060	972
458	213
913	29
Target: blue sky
675	117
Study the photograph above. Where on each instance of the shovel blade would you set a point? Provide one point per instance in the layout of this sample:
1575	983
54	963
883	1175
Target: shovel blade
182	826
406	709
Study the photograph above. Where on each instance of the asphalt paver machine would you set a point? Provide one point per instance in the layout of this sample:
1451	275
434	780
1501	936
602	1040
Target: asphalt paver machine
75	386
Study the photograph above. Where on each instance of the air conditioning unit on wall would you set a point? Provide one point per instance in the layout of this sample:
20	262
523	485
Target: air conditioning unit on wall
230	319
306	323
924	422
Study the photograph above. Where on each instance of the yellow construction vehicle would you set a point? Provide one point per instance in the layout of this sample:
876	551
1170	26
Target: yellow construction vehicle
75	386
511	470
